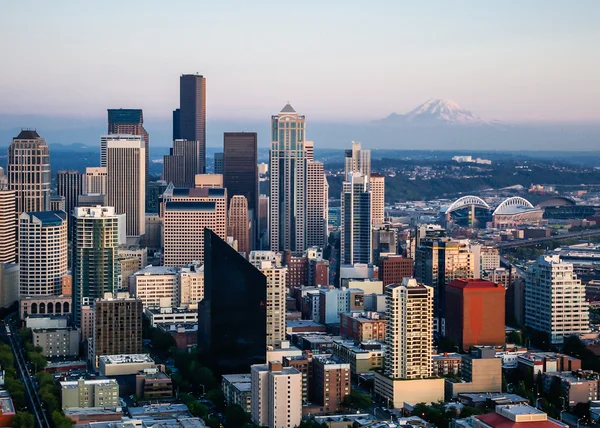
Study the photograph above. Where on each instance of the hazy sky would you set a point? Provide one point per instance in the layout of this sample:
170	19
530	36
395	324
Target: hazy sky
333	60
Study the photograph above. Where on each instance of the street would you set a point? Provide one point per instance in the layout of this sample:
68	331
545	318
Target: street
14	341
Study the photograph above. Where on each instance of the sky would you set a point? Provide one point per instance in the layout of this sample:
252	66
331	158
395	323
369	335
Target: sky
333	60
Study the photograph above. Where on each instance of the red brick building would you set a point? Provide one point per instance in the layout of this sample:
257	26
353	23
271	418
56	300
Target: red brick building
319	272
361	327
475	312
393	269
297	270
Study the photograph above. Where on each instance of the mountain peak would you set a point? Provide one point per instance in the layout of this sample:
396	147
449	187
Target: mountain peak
437	111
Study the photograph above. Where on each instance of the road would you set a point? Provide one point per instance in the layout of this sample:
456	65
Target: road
33	399
530	242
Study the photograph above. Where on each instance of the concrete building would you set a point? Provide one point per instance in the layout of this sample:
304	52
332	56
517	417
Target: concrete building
126	181
357	160
9	284
330	382
377	185
276	294
513	415
90	393
218	163
481	371
555	299
187	213
297	267
408	368
171	316
153	384
130	121
57	342
237	389
183	163
124	364
277	395
95	251
28	172
317	204
475	313
162	286
208	181
446	364
263	222
362	327
191	115
531	364
333	301
288	175
42	242
44	305
255	258
95	180
355	234
57	203
8	226
69	184
117	327
363	358
385	242
393	269
239	226
578	387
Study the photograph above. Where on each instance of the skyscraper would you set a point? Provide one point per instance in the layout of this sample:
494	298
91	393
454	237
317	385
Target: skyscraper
125	183
192	113
8	226
130	121
276	295
377	185
232	320
69	183
355	236
187	213
104	139
29	172
95	251
555	299
288	182
240	172
316	205
218	163
238	226
43	252
95	180
183	163
357	160
263	222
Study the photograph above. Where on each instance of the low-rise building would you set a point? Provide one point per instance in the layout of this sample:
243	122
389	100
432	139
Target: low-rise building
363	358
481	371
7	409
57	342
576	387
126	364
237	389
185	335
531	364
153	383
446	364
514	415
363	326
90	393
44	305
331	382
171	316
46	321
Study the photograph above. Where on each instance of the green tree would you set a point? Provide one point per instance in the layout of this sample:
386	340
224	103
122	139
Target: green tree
218	399
23	420
235	417
60	421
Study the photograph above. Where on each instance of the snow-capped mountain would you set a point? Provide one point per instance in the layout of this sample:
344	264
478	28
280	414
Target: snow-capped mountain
438	111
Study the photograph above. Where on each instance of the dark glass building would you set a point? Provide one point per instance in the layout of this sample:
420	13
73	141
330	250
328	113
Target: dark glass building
240	172
192	112
232	317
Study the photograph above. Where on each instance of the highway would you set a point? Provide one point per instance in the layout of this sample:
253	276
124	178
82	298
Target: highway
530	242
14	340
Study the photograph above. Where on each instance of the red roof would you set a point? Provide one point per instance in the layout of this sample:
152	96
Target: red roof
498	421
474	284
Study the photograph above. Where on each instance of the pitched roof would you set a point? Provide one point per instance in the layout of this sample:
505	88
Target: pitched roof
288	109
27	134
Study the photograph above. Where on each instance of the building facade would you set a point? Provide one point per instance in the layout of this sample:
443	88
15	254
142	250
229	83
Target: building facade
276	294
377	184
192	113
69	184
130	121
317	205
183	162
8	226
239	226
95	180
355	235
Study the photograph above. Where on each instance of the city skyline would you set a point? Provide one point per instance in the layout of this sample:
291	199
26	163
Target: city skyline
499	62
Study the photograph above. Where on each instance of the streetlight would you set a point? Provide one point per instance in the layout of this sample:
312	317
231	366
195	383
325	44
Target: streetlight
578	421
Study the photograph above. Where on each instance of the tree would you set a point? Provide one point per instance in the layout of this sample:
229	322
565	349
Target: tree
218	399
60	421
23	420
357	400
235	416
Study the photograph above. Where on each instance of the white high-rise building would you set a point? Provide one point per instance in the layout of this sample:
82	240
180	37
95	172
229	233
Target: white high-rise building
126	180
409	332
256	257
276	395
355	236
555	299
95	255
377	185
316	205
8	226
43	252
357	160
104	139
95	180
276	295
288	182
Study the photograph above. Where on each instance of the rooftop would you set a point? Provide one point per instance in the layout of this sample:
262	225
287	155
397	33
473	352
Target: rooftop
75	383
288	109
48	218
157	270
190	206
125	115
27	134
236	378
126	359
474	284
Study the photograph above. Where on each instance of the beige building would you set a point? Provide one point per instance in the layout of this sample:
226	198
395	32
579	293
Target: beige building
134	251
186	213
377	183
42	243
208	181
191	285
238	227
317	204
277	395
127	267
9	284
8	226
163	286
357	160
44	305
124	364
57	342
481	372
95	180
363	358
28	172
126	181
87	323
90	393
398	392
276	295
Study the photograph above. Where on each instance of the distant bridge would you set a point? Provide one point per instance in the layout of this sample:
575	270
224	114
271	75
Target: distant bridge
563	236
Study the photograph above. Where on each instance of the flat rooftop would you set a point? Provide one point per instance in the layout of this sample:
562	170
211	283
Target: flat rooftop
126	359
74	383
237	378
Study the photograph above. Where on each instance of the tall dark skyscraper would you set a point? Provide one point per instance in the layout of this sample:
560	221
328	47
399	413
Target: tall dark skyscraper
192	112
130	121
69	183
240	172
176	133
232	317
183	163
